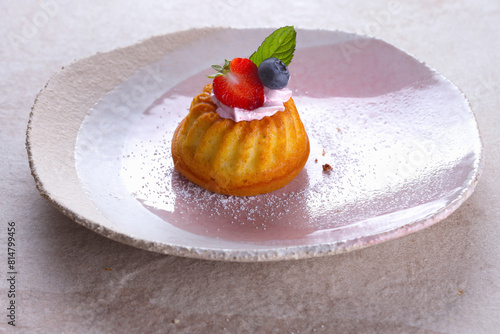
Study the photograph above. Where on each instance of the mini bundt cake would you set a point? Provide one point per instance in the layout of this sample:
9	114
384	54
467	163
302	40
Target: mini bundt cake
239	158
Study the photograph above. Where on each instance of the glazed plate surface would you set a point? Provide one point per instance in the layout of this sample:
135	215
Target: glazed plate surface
401	140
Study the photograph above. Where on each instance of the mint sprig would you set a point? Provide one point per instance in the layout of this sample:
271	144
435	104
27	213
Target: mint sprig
280	44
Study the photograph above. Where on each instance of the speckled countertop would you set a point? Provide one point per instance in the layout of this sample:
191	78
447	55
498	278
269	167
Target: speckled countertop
69	279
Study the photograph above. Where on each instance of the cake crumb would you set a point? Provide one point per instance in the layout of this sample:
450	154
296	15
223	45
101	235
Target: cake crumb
327	168
324	152
315	160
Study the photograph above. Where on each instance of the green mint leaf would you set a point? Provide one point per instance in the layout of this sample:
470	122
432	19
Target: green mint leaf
280	44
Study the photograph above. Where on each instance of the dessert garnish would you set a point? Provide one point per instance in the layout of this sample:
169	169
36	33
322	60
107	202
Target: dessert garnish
280	44
237	84
273	73
240	83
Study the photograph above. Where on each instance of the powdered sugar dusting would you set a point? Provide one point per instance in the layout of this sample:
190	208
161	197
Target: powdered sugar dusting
360	142
148	172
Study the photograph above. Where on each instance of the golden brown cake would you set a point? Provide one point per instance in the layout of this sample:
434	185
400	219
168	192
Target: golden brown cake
239	158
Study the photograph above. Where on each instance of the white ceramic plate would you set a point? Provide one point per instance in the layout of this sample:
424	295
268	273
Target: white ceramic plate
401	139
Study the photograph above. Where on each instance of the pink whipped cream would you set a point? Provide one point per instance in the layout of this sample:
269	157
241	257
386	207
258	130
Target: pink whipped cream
273	102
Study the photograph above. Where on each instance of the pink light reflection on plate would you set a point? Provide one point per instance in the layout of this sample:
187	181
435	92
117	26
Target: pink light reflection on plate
397	134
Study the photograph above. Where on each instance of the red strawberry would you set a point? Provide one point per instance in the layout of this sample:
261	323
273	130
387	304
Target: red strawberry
238	85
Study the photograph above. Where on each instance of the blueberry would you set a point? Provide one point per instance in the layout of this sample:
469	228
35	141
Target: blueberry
273	73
